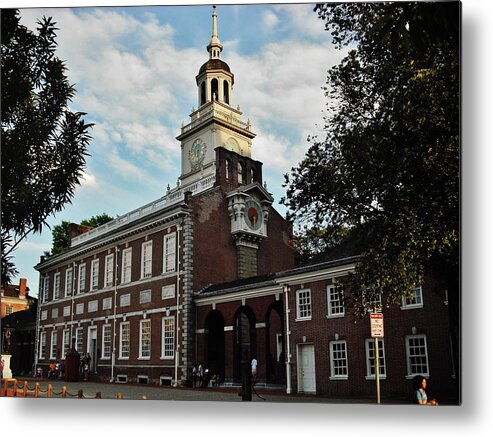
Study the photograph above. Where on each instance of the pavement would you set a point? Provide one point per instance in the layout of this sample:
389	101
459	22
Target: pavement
127	391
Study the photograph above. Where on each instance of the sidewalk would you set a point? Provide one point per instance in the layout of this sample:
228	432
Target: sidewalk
150	392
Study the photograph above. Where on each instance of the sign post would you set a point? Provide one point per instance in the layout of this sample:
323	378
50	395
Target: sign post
376	326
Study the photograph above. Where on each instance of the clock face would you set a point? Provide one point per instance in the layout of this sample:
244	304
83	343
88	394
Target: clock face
253	214
197	152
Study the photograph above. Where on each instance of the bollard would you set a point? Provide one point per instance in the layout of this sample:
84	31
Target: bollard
119	396
64	392
98	395
36	390
14	393
24	389
50	391
80	394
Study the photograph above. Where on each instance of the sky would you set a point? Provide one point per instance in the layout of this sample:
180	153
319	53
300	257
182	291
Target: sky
134	71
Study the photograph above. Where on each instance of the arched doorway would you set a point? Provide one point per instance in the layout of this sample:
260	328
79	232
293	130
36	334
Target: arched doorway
245	341
275	355
215	343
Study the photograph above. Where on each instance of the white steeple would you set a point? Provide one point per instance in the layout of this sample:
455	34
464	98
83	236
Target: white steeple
214	46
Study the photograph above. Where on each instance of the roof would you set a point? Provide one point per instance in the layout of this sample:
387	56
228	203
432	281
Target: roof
20	319
11	290
214	64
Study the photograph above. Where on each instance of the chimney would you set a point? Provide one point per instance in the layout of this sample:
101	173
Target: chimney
22	288
75	230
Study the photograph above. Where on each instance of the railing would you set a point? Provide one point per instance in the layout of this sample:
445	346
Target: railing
217	113
14	388
173	196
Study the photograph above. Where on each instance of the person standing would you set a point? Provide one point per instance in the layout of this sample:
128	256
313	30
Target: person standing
420	396
254	368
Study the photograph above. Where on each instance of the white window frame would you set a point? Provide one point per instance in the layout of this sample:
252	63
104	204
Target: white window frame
127	265
417	300
109	263
94	274
53	344
335	301
42	345
79	340
146	260
106	342
92	306
145	296
168	292
57	279
145	339
9	309
66	311
304	308
46	288
371	304
124	352
409	357
81	282
336	360
370	358
124	300
107	303
169	253
69	279
65	342
168	338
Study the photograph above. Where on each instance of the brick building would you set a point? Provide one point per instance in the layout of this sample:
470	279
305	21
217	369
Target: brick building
206	274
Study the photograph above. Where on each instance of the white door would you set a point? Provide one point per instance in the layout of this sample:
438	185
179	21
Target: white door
306	368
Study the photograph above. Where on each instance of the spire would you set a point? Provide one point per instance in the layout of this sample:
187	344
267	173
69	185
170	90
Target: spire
214	46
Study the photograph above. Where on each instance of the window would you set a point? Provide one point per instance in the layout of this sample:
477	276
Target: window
69	279
66	342
106	348
127	265
66	311
124	339
168	291
145	296
145	339
226	92
107	303
373	303
42	345
169	253
92	306
168	340
146	262
125	300
79	309
228	170
417	355
46	286
56	286
79	340
82	278
335	299
303	304
338	360
53	349
44	314
414	301
240	173
9	310
108	270
54	313
94	274
370	358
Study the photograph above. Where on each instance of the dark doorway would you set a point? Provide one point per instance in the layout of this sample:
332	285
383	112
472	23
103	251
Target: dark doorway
274	342
215	344
245	346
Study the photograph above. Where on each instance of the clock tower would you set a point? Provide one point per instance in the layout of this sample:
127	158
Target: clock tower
215	122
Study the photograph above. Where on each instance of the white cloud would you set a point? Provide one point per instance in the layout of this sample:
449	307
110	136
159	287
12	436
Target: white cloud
269	19
88	180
